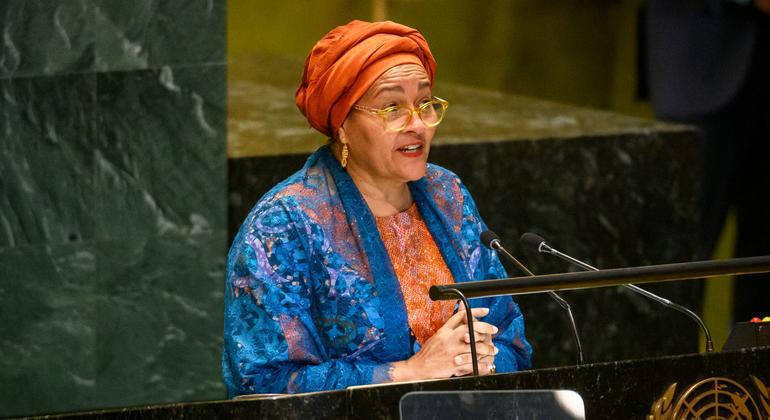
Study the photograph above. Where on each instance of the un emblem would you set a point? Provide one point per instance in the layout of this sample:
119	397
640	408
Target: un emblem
713	398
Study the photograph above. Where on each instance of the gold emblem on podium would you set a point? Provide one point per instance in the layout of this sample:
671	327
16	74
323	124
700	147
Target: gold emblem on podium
714	398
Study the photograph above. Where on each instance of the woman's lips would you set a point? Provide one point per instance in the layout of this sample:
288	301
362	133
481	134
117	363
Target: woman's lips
411	149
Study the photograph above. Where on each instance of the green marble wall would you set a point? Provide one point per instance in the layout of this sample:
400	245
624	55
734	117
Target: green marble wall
112	202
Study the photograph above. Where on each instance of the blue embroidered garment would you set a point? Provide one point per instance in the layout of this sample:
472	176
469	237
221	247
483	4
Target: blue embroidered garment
312	302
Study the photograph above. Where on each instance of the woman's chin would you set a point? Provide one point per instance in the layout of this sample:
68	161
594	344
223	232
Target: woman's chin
416	173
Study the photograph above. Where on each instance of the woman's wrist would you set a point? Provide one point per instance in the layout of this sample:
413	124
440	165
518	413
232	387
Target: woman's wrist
404	371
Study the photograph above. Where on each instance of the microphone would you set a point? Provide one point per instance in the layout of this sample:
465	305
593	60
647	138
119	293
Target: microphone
536	243
492	241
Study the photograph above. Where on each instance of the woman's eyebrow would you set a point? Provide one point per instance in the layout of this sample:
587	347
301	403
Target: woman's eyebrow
387	89
398	88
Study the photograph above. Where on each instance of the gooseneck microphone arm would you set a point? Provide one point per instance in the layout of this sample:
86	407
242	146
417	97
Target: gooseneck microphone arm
537	243
471	333
492	241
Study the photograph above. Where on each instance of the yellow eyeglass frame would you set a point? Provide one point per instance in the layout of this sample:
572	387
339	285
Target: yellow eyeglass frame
383	113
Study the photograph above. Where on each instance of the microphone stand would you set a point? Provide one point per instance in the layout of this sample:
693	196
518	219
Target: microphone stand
546	249
604	278
495	244
471	333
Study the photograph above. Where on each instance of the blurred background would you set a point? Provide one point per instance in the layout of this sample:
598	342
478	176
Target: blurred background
120	118
578	52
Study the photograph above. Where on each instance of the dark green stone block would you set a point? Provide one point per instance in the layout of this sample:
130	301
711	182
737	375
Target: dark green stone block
46	37
160	158
132	35
111	323
709	384
112	203
46	328
140	167
160	316
46	159
614	201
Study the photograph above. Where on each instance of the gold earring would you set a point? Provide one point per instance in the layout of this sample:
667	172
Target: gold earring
344	160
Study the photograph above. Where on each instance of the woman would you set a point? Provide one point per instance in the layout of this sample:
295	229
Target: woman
328	276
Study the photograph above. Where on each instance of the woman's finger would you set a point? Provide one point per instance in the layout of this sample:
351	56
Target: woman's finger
461	318
485	368
483	351
465	359
482	331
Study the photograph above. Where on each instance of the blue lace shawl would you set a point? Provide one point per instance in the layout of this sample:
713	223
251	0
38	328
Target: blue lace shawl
312	302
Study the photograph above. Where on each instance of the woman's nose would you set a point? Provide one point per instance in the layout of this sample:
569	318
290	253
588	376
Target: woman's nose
415	123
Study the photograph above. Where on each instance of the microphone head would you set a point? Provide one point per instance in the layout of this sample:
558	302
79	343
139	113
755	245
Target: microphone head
487	237
531	241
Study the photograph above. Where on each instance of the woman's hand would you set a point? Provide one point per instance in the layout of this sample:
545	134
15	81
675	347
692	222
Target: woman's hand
448	352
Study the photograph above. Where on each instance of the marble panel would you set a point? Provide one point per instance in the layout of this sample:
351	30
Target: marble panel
159	319
330	405
714	385
160	158
46	37
46	328
613	201
112	202
617	390
135	35
46	161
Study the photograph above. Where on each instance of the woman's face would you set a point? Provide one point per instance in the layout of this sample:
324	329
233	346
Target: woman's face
385	156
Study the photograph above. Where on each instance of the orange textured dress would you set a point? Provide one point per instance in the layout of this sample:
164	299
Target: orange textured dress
418	264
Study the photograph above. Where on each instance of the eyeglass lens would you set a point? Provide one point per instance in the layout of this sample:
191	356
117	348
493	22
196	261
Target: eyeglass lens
431	115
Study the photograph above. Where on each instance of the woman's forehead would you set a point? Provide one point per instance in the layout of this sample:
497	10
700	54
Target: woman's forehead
398	78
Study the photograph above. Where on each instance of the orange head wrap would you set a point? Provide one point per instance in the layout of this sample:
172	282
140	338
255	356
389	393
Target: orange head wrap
345	62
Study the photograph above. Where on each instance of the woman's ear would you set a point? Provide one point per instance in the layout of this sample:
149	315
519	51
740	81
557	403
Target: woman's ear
341	135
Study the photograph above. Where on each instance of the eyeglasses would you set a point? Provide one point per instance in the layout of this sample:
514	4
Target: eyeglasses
397	118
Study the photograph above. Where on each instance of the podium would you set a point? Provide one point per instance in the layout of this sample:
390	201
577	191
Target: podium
733	382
